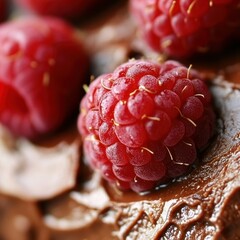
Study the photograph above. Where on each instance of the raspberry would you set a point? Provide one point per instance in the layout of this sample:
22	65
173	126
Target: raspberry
42	67
144	123
61	8
186	27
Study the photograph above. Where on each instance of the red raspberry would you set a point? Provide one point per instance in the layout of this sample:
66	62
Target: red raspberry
184	27
42	67
145	122
61	8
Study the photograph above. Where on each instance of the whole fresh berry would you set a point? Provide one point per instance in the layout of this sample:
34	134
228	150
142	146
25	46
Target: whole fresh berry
145	122
42	68
62	8
181	28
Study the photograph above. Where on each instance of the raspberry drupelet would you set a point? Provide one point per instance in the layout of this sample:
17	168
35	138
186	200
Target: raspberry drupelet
144	123
42	68
182	28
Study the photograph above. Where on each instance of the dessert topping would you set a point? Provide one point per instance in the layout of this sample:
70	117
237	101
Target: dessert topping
145	122
42	69
185	27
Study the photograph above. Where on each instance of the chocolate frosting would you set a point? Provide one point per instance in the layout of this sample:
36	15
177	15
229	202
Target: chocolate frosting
31	172
205	204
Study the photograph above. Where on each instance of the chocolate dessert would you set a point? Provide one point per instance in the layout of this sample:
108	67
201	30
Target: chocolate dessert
48	191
